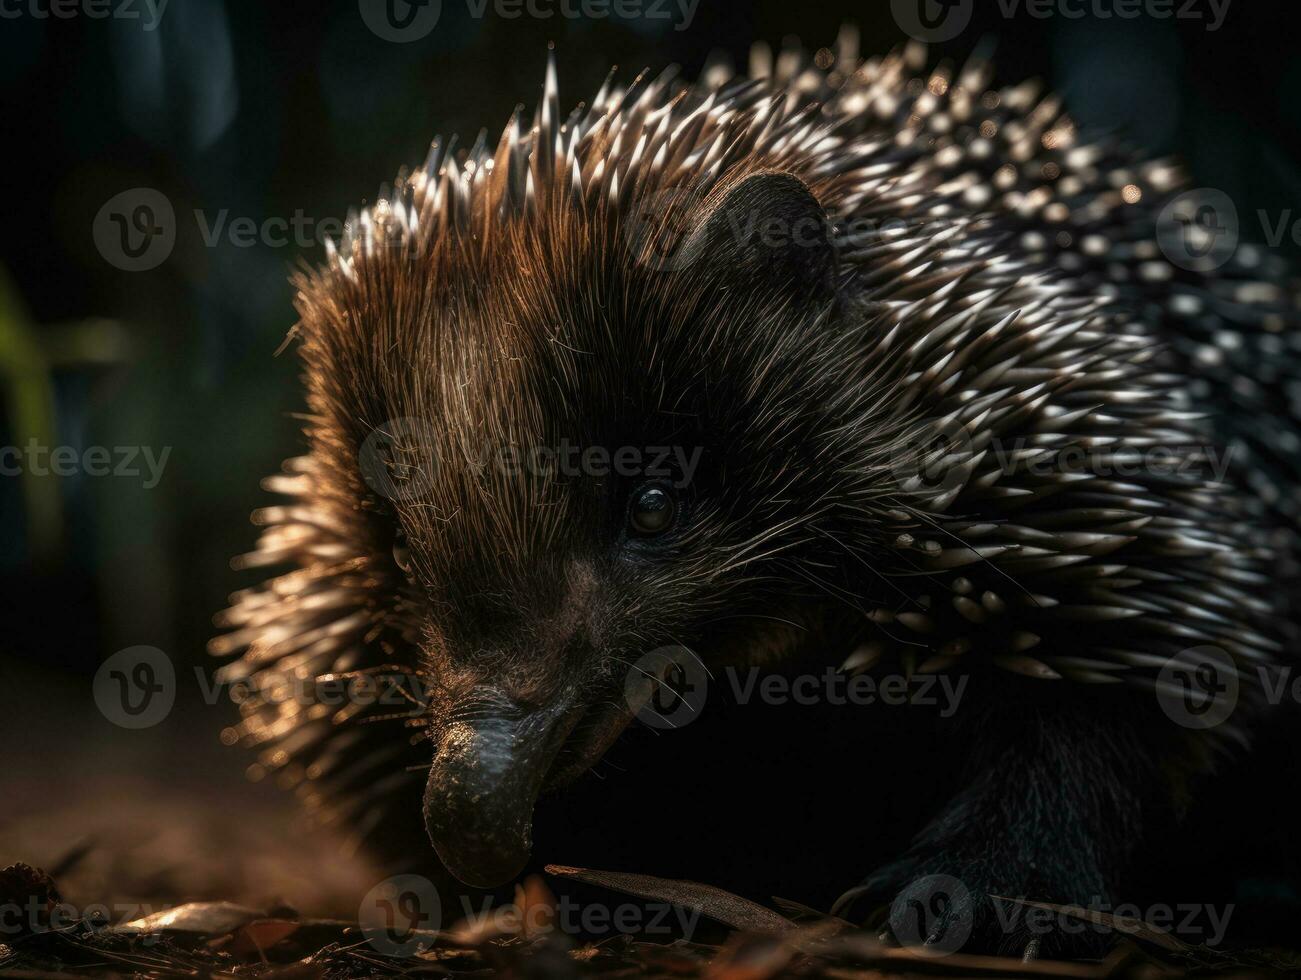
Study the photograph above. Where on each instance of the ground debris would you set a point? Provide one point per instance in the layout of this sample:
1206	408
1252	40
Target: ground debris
222	940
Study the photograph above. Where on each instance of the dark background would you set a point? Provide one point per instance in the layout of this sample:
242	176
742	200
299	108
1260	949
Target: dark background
266	109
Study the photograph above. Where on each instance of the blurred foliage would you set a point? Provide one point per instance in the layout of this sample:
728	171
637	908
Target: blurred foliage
28	395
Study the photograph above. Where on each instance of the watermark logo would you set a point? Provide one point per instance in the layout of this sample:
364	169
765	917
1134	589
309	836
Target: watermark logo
36	915
666	688
136	687
675	464
401	21
135	231
932	21
656	228
398	459
1198	688
401	915
1207	464
943	692
571	918
933	915
927	459
299	230
148	12
1198	230
1121	10
93	461
1277	231
1017	916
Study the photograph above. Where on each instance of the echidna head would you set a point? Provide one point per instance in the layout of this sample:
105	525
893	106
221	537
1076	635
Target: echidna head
565	449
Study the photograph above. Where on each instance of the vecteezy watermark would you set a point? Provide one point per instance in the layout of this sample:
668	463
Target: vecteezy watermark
1206	924
1201	687
1287	226
1212	12
135	231
96	461
655	228
667	687
673	464
932	459
1208	464
404	21
401	915
1198	688
395	689
1198	230
1279	684
680	13
399	460
934	21
933	915
400	21
300	229
136	687
943	691
148	12
927	460
662	229
577	919
35	915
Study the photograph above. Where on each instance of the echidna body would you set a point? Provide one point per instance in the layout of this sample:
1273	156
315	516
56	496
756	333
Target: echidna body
955	409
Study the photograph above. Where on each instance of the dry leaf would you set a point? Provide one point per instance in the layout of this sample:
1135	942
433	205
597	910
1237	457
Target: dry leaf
250	942
210	919
721	906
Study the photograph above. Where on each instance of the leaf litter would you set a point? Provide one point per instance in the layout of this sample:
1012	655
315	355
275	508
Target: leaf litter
224	940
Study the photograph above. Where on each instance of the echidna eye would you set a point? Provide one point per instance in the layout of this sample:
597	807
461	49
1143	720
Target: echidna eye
401	553
651	510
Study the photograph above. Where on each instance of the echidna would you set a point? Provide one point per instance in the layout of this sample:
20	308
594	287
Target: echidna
957	410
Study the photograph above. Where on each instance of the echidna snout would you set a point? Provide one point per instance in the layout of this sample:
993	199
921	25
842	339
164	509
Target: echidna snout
493	756
483	782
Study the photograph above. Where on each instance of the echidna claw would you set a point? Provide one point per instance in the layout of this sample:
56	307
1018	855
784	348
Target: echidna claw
1031	951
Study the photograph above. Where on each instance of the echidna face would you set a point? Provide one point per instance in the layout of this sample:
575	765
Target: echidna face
568	457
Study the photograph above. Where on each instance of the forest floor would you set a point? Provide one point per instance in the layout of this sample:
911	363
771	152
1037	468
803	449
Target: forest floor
41	938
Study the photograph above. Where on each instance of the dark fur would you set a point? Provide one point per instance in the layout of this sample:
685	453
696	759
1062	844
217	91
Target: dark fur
805	371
